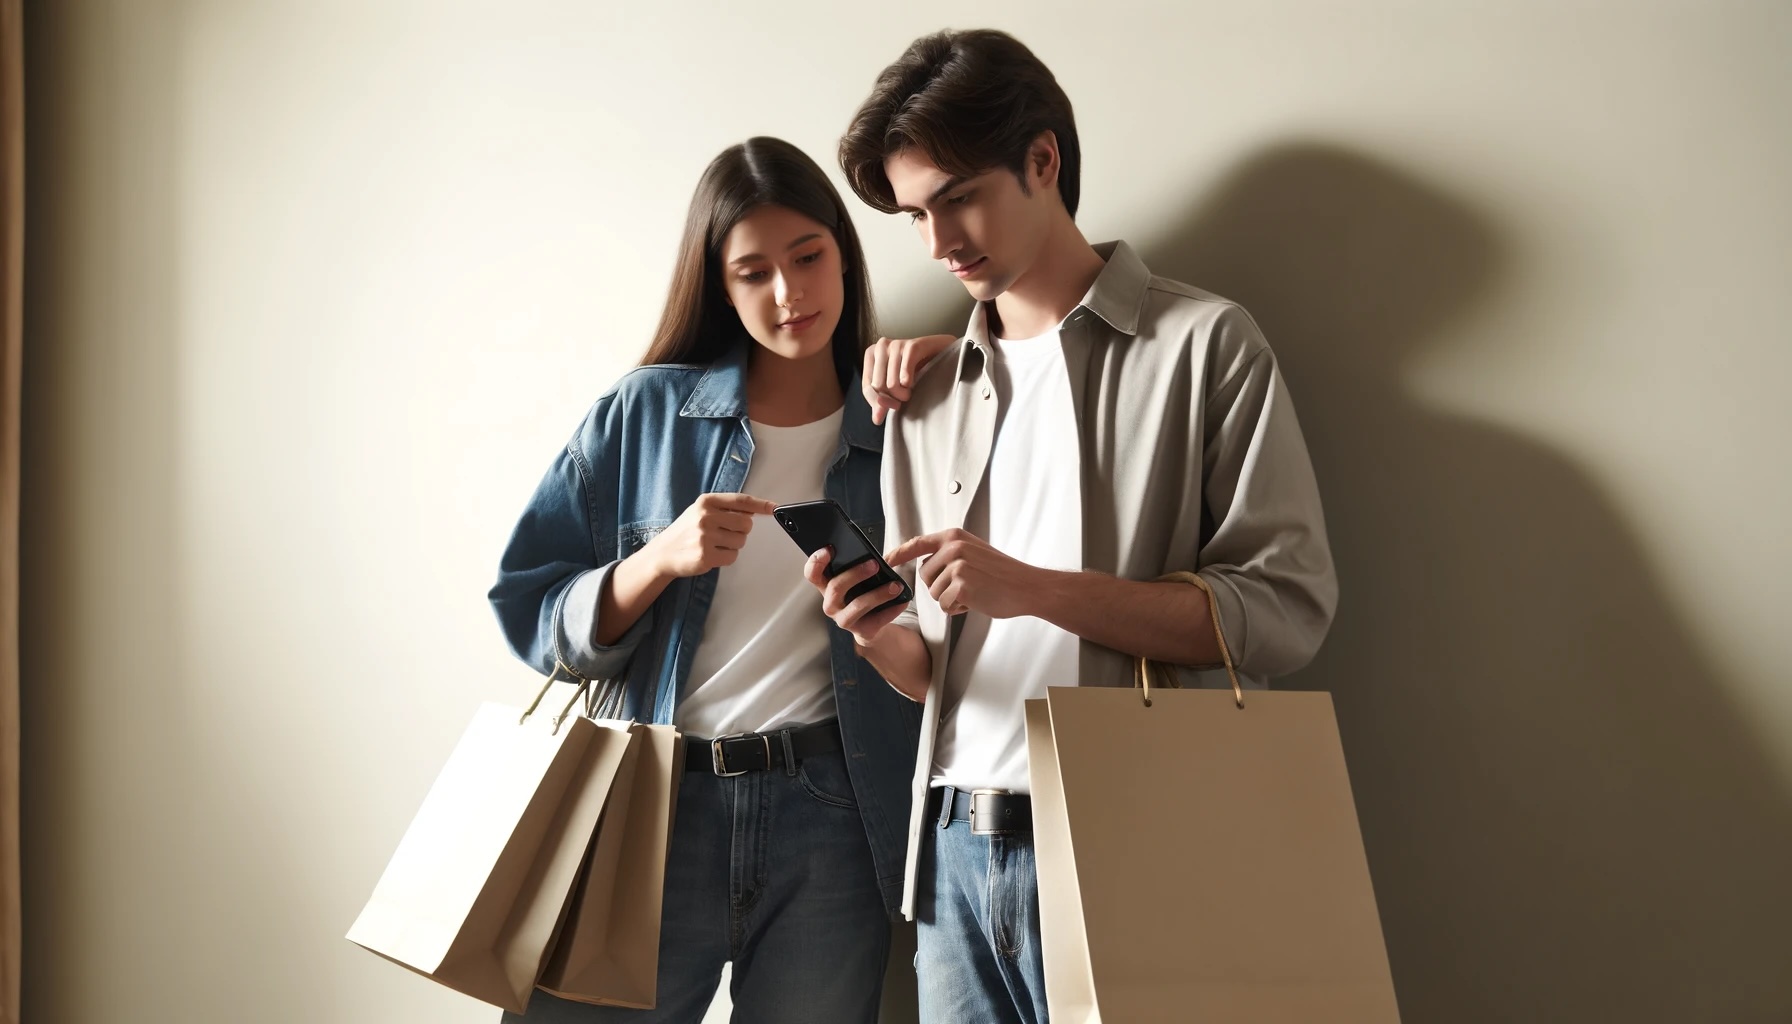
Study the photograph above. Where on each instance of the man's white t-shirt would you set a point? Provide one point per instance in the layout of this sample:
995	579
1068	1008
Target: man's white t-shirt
1030	508
763	661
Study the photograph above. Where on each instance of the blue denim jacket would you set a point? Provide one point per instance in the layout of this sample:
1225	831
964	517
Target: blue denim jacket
660	438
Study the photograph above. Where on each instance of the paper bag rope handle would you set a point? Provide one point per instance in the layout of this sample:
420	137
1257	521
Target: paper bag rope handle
1142	666
595	699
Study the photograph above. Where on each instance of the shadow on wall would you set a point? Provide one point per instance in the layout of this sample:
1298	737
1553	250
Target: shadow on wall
1565	819
135	836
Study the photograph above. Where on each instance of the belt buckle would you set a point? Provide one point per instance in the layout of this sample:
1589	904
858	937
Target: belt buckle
978	815
719	763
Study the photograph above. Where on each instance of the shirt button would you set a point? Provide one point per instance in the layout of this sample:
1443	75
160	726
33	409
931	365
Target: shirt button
986	392
956	487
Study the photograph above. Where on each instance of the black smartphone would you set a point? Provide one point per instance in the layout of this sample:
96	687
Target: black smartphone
824	524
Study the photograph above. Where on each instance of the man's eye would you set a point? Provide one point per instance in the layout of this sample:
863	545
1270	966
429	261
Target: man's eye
958	200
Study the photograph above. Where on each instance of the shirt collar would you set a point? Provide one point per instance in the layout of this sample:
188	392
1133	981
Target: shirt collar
1117	296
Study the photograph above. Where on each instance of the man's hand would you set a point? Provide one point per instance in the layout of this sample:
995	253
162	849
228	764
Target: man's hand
965	574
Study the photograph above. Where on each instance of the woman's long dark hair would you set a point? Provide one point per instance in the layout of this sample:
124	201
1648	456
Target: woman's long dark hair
699	325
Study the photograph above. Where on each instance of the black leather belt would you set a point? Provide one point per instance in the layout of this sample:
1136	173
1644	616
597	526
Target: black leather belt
745	752
990	811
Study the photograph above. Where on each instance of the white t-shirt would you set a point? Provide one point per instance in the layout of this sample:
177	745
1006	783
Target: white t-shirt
1030	508
763	661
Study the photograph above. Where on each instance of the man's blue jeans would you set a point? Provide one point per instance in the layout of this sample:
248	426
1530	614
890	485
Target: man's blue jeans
977	934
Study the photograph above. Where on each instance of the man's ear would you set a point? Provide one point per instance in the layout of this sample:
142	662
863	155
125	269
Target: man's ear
1043	161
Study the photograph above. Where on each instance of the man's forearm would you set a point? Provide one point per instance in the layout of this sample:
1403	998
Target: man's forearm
901	657
1167	622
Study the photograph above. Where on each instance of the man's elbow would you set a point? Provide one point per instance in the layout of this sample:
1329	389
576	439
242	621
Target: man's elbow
1306	615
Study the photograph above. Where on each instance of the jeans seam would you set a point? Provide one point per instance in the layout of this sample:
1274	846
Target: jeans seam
762	836
1005	932
746	879
735	923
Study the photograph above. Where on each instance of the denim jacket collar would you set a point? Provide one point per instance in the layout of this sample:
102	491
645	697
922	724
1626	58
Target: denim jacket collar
721	393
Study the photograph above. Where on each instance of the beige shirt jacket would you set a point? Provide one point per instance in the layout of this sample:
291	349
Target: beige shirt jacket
1191	460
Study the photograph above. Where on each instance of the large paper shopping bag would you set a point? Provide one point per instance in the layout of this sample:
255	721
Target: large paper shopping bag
608	953
475	893
1200	860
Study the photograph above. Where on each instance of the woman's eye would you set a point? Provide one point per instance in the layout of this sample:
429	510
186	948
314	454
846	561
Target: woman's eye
915	217
810	258
754	276
958	200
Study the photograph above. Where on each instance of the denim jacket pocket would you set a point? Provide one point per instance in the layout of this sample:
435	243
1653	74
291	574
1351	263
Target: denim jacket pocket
631	539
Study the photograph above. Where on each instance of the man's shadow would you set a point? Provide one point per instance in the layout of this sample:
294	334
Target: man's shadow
1565	817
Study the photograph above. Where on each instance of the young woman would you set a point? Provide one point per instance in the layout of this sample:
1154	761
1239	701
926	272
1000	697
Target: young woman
644	558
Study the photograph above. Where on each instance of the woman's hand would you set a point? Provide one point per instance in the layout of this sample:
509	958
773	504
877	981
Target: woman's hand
708	535
891	366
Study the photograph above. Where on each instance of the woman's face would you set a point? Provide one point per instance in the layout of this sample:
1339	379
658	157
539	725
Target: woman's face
783	275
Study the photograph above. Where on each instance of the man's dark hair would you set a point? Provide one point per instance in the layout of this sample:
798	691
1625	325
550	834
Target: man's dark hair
970	101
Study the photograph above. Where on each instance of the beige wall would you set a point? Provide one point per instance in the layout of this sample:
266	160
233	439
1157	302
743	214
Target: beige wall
317	289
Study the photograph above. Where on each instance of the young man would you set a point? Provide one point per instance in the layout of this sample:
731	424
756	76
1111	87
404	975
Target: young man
1096	429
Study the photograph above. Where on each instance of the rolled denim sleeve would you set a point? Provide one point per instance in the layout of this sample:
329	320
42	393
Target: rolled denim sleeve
1267	557
576	628
552	576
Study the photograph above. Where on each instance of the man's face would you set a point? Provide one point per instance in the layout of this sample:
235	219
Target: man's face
986	229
